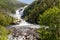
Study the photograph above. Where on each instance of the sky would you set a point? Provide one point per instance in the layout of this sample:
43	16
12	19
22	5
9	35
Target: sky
26	1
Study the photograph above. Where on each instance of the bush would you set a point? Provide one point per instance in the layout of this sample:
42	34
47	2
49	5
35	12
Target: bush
51	19
5	19
3	33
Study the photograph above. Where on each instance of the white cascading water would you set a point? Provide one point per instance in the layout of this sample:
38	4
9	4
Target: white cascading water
22	22
18	15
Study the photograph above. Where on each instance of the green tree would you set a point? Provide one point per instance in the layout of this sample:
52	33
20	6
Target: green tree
50	19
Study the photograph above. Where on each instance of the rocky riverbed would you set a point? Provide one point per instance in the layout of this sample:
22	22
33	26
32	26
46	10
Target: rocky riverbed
23	33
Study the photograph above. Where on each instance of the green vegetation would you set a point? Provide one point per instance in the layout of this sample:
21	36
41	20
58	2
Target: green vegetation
31	14
51	20
3	33
46	13
10	5
4	21
50	16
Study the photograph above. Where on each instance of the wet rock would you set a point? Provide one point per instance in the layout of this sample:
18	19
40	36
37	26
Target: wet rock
30	34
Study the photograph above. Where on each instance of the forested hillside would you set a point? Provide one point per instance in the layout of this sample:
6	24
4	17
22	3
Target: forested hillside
33	11
10	5
46	13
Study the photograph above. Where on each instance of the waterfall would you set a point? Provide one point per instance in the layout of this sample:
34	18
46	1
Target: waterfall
18	15
23	30
20	11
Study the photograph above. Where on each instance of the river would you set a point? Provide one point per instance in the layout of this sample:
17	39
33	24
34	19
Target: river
23	30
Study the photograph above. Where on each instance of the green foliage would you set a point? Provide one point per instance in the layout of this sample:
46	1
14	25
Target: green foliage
47	34
3	33
10	5
51	19
32	12
47	14
50	16
5	19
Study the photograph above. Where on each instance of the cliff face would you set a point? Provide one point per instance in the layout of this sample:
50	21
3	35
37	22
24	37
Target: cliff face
37	8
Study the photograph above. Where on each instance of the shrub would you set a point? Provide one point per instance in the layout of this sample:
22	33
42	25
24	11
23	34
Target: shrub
3	33
5	19
51	19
